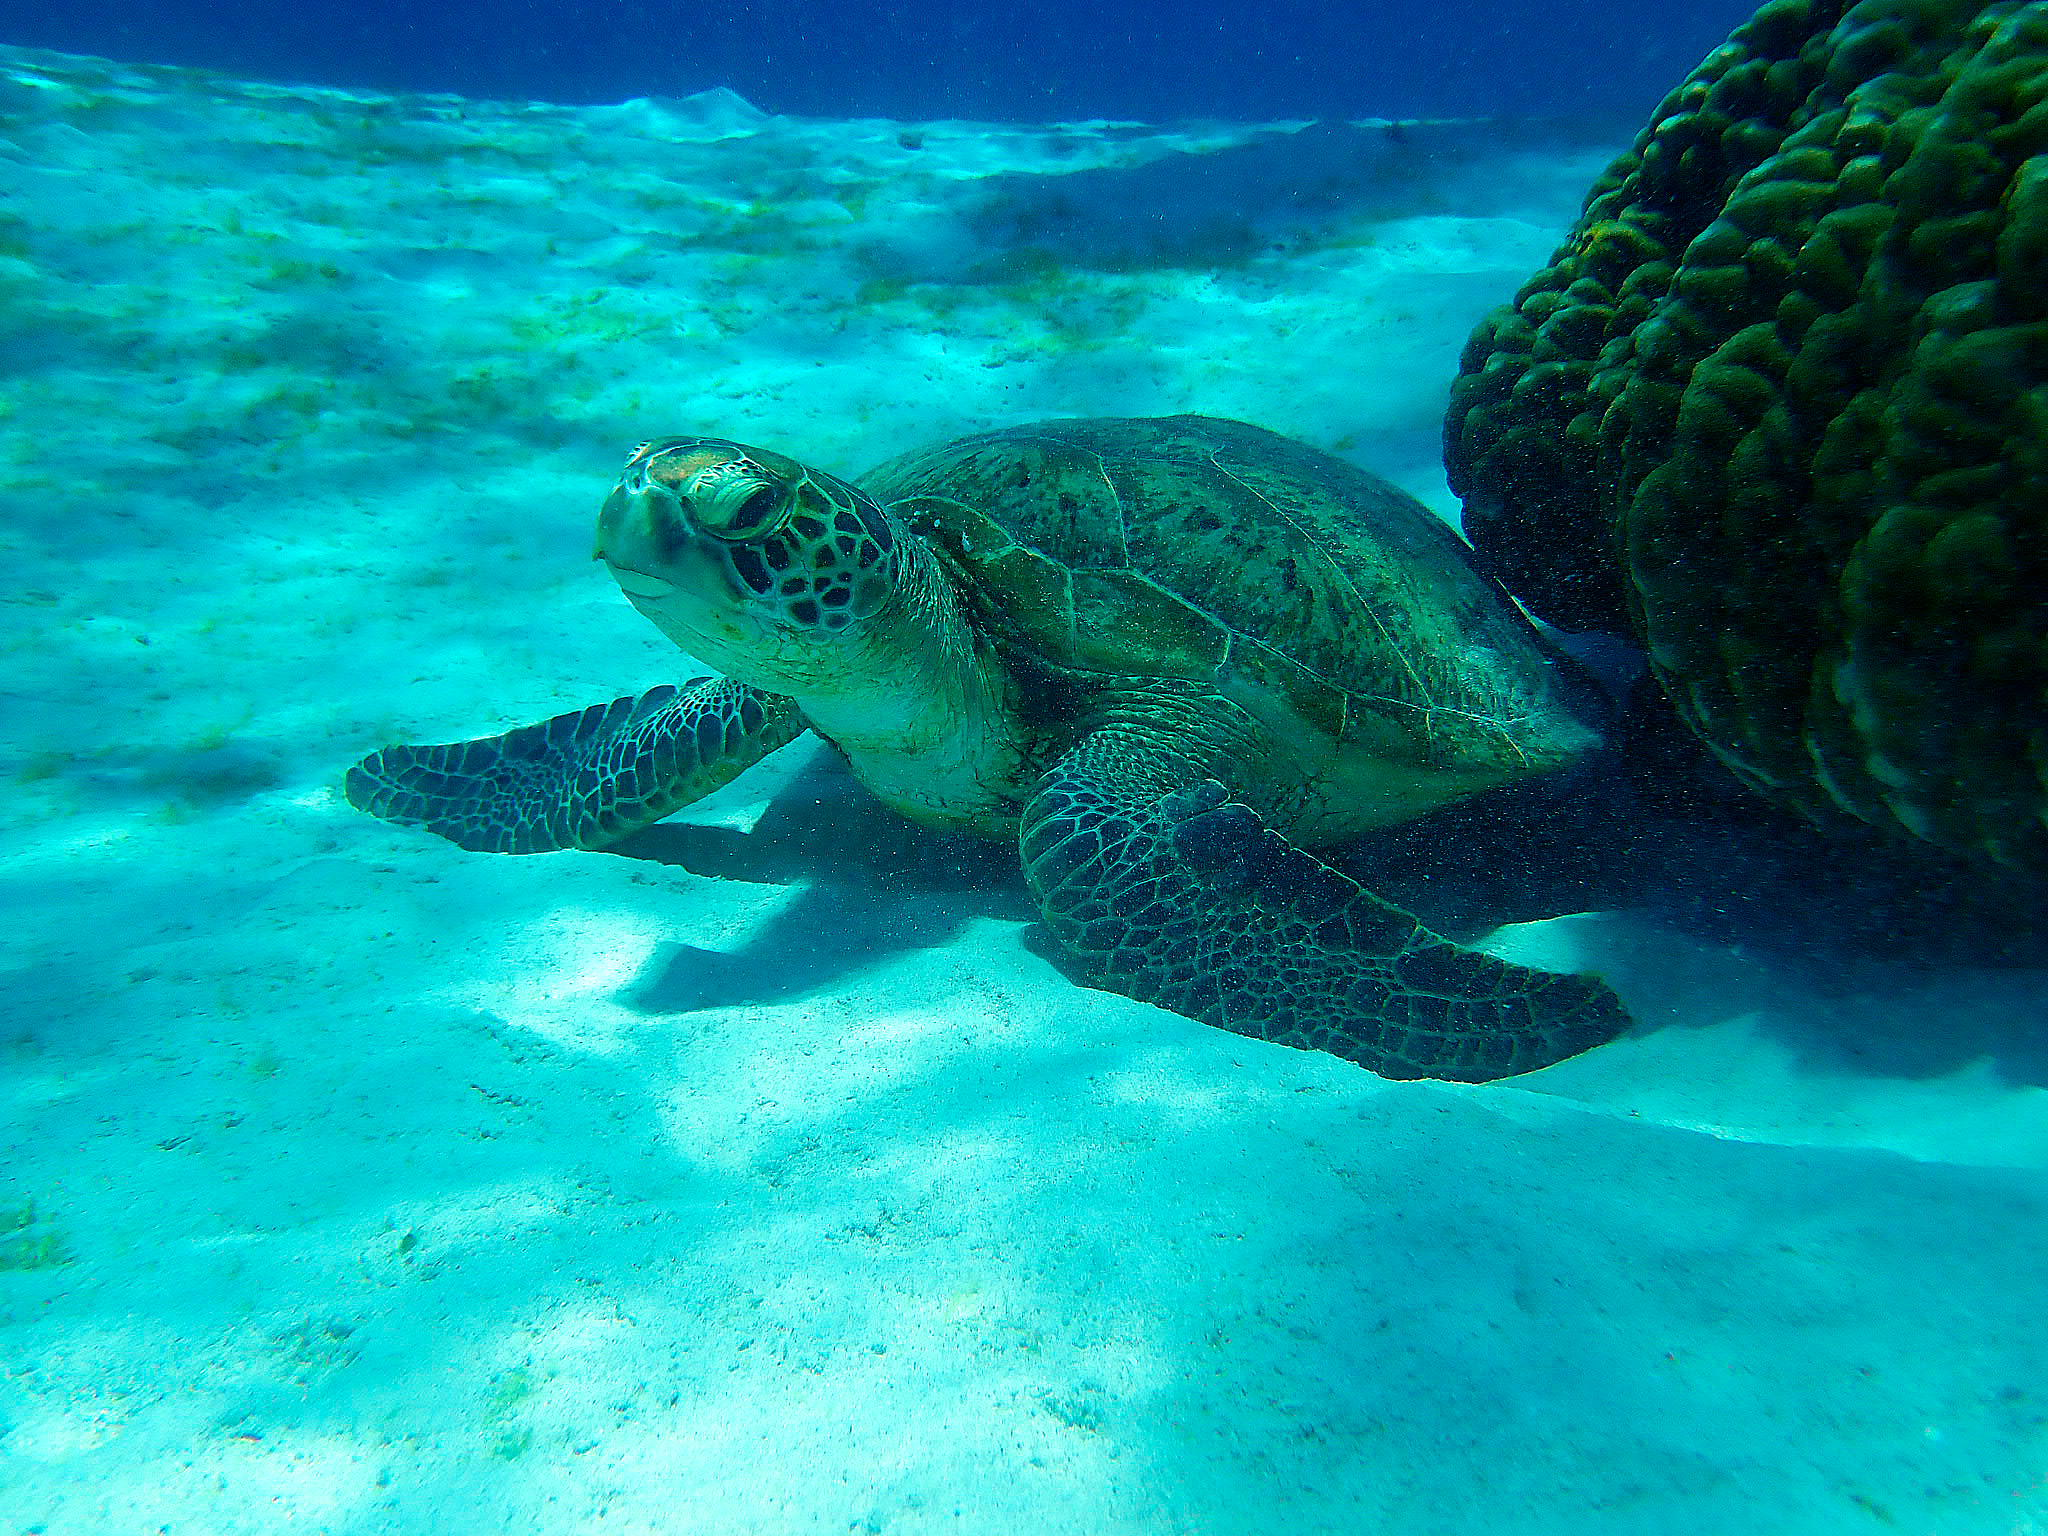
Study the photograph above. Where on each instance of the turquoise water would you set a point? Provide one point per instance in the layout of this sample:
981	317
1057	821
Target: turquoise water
773	1180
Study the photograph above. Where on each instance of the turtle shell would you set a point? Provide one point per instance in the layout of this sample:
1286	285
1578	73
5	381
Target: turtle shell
1322	599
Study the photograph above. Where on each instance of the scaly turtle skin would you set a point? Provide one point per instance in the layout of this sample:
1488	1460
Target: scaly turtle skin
1779	407
1167	656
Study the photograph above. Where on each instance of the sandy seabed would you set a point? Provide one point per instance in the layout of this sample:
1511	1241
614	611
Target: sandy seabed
772	1181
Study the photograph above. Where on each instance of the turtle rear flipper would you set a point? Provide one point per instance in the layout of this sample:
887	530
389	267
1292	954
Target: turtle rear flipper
1172	893
581	780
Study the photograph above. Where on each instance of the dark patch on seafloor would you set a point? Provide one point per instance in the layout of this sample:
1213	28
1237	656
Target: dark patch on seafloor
1652	827
874	884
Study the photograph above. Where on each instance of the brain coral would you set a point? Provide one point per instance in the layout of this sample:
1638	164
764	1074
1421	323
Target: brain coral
1779	405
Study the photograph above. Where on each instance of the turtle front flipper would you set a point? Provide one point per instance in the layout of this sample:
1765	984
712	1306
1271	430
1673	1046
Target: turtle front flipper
1171	892
580	780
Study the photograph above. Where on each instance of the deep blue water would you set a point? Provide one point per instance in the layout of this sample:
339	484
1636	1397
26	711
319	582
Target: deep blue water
1158	61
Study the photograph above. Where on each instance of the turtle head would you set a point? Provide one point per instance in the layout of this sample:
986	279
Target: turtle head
746	559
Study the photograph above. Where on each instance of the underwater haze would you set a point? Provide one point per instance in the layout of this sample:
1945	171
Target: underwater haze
776	1173
871	58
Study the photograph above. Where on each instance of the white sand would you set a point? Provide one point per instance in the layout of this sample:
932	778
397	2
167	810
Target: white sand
352	1183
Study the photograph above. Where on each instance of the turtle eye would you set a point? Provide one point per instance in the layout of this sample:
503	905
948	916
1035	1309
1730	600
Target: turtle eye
731	498
742	519
754	516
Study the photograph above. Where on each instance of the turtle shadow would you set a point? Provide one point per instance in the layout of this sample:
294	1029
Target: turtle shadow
1855	955
880	884
1840	926
1864	962
872	882
784	959
824	828
1719	868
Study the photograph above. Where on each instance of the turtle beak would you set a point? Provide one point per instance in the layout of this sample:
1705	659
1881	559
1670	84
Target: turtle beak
656	552
639	584
639	533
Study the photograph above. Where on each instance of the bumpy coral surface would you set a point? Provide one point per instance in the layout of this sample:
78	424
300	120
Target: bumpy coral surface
1779	405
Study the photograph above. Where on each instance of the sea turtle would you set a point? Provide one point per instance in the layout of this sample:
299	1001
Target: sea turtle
1163	655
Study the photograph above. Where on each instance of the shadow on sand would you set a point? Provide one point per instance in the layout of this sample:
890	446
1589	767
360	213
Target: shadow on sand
1844	923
